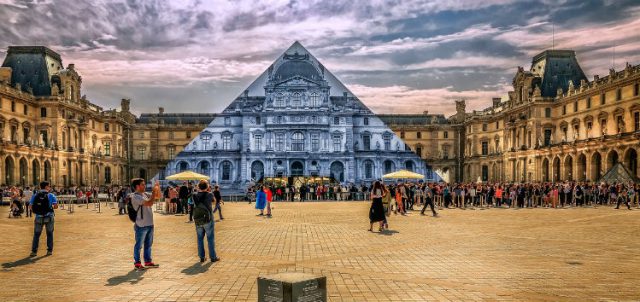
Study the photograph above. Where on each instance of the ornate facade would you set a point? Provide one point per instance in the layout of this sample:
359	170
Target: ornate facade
554	125
296	120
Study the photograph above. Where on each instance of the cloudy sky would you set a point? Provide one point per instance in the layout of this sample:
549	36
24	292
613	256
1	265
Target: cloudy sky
396	56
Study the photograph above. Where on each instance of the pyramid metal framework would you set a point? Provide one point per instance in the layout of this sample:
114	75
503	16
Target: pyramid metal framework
296	120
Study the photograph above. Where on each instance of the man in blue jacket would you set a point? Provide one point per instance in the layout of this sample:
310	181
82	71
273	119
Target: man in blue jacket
42	204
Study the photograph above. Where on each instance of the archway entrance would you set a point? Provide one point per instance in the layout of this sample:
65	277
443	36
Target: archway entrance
556	169
337	171
545	170
257	170
582	167
297	169
9	167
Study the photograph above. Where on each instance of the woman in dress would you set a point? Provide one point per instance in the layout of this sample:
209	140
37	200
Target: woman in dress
376	212
261	200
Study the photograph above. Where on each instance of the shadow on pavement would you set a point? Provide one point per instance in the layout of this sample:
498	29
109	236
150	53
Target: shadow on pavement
197	268
21	262
132	277
388	232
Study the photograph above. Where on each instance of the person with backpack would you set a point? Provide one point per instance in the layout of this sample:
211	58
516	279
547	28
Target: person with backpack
42	204
219	201
140	211
203	218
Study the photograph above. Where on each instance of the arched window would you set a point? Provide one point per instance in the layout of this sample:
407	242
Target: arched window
204	168
225	171
368	169
183	166
409	165
107	175
297	142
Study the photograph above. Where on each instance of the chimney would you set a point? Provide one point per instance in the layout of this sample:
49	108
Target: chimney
495	101
71	66
161	110
426	112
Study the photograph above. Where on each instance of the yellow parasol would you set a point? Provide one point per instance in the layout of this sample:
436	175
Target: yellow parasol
404	174
187	175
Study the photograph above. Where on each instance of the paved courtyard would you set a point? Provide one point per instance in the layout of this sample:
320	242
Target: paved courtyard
463	255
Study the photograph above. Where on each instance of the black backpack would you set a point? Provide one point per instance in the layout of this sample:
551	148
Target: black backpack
201	214
41	204
131	211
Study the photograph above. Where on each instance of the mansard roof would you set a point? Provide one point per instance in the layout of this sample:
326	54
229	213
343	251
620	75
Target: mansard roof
413	119
292	68
177	118
557	68
32	67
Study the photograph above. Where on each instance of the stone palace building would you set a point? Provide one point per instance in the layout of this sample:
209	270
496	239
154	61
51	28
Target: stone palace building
555	125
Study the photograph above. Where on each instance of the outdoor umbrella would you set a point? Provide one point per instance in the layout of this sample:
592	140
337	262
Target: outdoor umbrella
404	174
187	175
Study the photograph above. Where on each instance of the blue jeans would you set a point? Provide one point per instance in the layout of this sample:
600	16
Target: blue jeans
143	235
219	209
39	223
200	232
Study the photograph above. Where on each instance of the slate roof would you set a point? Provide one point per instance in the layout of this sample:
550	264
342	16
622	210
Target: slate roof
290	69
183	118
557	68
30	68
413	119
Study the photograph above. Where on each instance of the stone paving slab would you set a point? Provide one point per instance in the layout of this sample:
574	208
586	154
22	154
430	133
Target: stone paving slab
463	255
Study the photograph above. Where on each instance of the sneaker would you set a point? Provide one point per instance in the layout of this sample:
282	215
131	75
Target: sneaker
216	259
138	266
33	254
49	253
201	260
151	265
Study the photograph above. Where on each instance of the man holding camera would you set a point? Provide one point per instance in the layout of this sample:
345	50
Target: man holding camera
142	203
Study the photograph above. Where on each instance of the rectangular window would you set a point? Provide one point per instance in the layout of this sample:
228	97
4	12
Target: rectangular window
419	151
258	142
337	144
547	112
636	89
93	124
547	137
106	127
366	121
387	143
226	142
485	173
188	134
564	109
107	149
336	120
401	134
26	109
227	121
497	125
419	134
43	112
172	152
636	121
603	99
171	135
485	148
588	102
618	94
141	134
366	143
258	120
315	141
13	106
280	142
484	127
446	134
142	153
575	106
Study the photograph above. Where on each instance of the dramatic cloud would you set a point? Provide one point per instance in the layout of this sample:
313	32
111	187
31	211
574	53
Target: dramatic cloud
397	56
